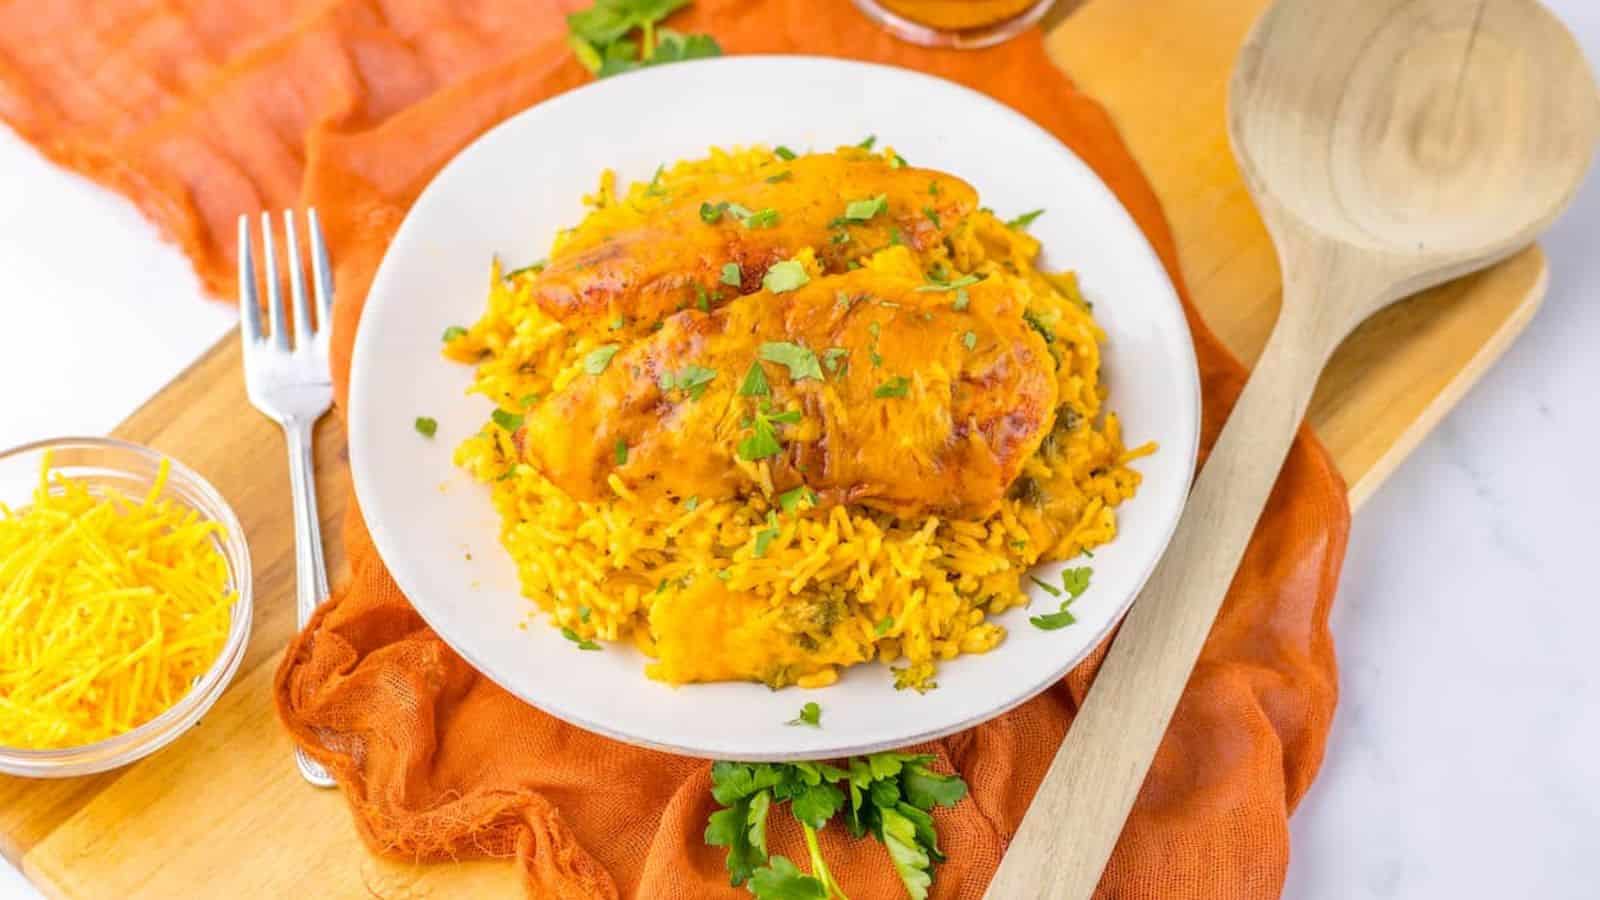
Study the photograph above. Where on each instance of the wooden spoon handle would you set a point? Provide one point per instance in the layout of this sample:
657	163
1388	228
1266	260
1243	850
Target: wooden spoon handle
1078	813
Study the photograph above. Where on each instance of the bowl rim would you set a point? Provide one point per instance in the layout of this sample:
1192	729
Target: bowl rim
137	743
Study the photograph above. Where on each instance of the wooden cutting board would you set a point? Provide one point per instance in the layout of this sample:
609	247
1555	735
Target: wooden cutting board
222	812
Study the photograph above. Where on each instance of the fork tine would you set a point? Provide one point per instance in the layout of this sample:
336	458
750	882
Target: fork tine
321	273
269	268
297	284
249	300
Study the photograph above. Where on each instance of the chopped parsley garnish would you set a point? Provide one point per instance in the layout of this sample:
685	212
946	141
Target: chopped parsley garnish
863	210
764	219
426	427
711	213
799	360
840	237
453	332
531	267
692	503
894	387
895	239
810	714
583	613
528	400
1024	220
1073	582
785	175
731	275
506	420
941	285
886	795
784	153
622	452
933	188
1046	586
583	643
599	358
867	143
883	626
765	536
969	340
962	300
654	189
618	321
932	216
789	500
763	441
755	382
785	276
691	379
701	301
897	162
1038	325
834	358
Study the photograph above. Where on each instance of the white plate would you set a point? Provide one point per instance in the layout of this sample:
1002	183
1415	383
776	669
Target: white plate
507	194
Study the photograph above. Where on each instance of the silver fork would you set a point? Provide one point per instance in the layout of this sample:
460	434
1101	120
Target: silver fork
290	383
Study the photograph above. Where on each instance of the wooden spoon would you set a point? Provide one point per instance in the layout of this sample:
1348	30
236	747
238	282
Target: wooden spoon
1390	145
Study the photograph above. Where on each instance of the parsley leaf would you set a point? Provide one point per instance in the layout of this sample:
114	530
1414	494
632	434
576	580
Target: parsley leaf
962	300
810	714
932	216
453	332
583	643
833	358
1046	586
935	286
789	500
883	626
766	536
691	379
599	358
911	861
784	881
425	426
622	452
1037	324
763	441
692	504
531	267
506	420
785	276
1054	621
894	387
867	143
654	189
801	362
731	275
785	175
701	301
731	828
755	382
766	218
863	210
1076	581
784	153
897	162
1024	220
969	340
711	213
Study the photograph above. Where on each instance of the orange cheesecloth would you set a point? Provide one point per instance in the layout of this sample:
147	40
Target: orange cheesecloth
199	110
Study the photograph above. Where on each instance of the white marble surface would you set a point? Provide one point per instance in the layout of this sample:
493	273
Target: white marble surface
1463	760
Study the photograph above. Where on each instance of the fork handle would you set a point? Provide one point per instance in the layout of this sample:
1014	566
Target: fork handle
310	571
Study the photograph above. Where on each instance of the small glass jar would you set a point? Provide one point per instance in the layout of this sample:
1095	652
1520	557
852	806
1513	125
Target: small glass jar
962	24
132	469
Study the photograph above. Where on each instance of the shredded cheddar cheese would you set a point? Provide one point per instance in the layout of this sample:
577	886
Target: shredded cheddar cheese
110	610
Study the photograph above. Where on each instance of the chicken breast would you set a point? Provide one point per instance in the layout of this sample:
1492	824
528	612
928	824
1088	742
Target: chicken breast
678	257
865	387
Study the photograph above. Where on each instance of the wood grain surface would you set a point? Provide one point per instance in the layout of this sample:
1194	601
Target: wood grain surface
222	811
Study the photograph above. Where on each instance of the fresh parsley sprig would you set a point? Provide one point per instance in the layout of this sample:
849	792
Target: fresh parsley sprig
599	36
886	795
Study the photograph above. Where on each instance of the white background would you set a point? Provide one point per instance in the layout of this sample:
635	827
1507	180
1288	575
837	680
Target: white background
1465	755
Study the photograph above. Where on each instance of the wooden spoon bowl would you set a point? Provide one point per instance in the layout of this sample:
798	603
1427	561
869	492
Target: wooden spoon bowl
1390	145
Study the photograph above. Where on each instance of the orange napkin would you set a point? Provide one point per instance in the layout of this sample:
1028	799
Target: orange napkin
202	110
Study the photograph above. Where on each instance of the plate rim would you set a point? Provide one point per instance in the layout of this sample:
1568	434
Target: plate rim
381	533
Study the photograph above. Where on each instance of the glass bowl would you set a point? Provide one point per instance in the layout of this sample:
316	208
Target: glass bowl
131	469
